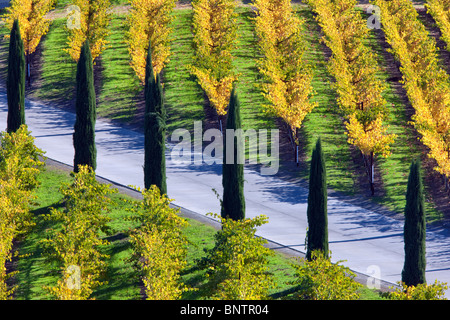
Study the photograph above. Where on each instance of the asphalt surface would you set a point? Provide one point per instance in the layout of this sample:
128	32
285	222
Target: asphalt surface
4	3
369	242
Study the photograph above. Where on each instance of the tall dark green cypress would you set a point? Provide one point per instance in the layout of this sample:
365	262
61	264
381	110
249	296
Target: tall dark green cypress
317	204
155	130
414	229
233	202
85	105
15	81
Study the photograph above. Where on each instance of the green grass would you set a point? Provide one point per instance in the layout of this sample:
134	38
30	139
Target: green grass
119	89
245	64
395	169
184	101
4	48
324	121
63	3
120	95
183	96
119	92
58	69
35	271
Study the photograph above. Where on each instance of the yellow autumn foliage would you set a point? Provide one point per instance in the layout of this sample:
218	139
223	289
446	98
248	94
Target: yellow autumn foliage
160	246
237	265
354	67
32	20
427	84
287	77
423	291
215	33
20	164
77	242
94	18
7	233
148	22
440	11
369	138
320	279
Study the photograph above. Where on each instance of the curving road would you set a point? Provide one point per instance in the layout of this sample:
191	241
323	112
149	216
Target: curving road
370	242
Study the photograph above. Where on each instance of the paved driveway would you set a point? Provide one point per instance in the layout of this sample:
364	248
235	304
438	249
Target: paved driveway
370	242
4	3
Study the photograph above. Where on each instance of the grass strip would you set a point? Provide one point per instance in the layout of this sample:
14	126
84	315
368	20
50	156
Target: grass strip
324	121
123	281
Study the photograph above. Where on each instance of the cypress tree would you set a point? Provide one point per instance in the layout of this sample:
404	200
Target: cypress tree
317	204
15	81
149	83
233	202
85	105
155	130
414	229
